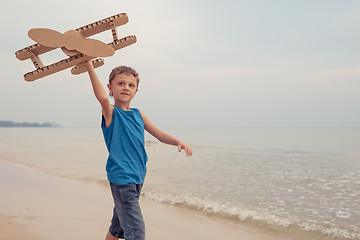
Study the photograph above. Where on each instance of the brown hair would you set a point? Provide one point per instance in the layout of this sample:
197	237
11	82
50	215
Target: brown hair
126	70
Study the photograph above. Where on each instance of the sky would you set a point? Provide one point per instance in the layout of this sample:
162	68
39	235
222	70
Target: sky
202	63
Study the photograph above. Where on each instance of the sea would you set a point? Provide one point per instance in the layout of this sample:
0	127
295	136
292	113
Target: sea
285	179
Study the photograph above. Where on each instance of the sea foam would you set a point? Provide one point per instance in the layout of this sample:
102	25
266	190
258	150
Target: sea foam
245	214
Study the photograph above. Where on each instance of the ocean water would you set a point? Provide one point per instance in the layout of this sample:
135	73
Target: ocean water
301	180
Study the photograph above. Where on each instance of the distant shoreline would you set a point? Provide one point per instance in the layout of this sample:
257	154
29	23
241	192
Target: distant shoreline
10	124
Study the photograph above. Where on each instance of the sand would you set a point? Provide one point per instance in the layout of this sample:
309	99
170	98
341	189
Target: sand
34	205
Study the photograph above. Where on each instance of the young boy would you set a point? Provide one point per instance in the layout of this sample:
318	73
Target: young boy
123	129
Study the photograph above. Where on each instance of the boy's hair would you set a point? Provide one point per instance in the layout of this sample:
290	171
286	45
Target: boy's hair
126	70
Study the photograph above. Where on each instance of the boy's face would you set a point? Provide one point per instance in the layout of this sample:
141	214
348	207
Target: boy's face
123	87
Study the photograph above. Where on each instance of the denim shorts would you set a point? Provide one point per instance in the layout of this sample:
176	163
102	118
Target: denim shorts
127	222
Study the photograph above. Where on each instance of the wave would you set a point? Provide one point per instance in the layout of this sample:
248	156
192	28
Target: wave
223	209
243	214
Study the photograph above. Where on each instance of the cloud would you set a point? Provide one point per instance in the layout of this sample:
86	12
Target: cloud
250	63
343	80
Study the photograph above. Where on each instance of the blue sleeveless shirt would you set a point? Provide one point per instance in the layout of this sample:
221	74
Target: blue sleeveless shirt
125	142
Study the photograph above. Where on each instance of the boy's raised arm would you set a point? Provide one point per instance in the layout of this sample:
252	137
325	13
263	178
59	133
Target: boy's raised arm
99	91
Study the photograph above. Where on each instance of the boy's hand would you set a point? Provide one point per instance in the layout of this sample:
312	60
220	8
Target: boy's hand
87	64
188	150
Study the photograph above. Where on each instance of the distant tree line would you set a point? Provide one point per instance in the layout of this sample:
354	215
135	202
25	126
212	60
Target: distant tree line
26	124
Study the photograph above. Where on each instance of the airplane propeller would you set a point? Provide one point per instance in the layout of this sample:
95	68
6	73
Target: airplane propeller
72	41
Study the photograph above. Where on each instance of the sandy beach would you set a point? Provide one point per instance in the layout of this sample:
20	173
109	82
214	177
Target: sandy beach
39	206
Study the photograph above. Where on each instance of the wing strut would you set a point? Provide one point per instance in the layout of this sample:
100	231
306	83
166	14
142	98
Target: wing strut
35	59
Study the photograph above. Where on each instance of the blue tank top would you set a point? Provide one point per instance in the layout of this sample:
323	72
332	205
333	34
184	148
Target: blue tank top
125	142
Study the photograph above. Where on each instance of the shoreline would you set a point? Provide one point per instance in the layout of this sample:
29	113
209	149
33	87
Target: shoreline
41	206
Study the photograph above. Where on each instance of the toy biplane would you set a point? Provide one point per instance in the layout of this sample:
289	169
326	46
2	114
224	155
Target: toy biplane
75	44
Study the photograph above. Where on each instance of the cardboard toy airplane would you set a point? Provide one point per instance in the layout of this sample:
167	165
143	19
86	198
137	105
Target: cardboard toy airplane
75	44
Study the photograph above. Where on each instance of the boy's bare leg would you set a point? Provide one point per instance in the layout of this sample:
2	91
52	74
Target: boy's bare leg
109	236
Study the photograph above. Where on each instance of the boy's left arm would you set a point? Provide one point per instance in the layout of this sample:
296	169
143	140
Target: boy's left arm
164	137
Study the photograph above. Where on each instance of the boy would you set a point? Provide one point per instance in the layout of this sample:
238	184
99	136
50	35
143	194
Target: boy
123	129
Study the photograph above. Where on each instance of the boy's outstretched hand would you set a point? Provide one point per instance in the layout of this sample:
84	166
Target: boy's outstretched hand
187	149
164	137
